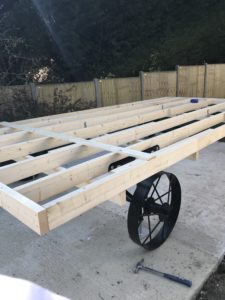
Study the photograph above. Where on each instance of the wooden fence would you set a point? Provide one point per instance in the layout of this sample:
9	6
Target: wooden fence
119	90
71	95
159	84
188	81
191	81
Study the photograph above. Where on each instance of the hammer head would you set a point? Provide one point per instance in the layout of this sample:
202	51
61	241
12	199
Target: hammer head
138	266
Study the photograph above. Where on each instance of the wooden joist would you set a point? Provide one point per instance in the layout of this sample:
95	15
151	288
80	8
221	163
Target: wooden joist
92	127
25	210
96	139
39	144
79	141
44	188
55	158
75	203
99	112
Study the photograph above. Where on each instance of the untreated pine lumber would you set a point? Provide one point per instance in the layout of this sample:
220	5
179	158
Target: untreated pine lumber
25	210
54	159
85	120
62	125
121	118
75	203
135	121
54	184
194	156
44	121
61	118
79	141
94	182
39	144
72	124
141	131
111	109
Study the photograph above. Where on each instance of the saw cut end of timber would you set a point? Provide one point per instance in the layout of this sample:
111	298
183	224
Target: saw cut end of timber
55	168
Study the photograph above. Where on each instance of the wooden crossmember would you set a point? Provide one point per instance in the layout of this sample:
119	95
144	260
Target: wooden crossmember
96	183
68	123
97	112
102	128
64	155
46	187
105	110
57	212
79	141
91	127
75	203
74	124
71	122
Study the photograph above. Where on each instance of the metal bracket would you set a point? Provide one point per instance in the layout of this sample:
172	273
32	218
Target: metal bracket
129	159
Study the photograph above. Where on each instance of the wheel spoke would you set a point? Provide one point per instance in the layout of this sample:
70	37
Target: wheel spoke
155	186
155	227
150	233
158	194
148	236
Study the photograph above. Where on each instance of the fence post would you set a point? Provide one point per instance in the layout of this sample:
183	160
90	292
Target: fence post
142	81
97	93
205	80
33	92
177	80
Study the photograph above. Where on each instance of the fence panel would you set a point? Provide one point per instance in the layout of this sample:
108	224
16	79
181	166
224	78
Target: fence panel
215	81
120	90
159	84
191	81
19	102
68	96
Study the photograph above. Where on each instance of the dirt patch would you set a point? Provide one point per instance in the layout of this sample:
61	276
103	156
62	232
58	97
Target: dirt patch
214	288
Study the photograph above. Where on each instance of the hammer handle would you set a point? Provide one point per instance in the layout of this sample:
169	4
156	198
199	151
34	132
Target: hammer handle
178	279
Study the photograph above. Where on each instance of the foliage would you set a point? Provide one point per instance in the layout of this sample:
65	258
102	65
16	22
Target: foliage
21	56
82	39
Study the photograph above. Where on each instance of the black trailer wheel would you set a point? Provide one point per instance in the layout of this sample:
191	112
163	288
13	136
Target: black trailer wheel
153	211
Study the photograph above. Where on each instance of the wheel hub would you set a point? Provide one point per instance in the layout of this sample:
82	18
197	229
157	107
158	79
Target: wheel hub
152	208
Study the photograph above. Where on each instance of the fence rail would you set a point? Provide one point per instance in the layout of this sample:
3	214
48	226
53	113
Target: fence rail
187	81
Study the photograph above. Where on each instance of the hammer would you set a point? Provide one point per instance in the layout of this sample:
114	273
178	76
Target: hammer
140	266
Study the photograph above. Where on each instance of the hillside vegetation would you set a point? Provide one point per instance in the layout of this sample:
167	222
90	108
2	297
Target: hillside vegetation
82	39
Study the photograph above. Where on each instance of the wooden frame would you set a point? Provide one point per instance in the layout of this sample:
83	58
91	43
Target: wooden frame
70	173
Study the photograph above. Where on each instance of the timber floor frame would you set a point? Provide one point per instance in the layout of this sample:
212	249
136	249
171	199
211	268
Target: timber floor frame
55	168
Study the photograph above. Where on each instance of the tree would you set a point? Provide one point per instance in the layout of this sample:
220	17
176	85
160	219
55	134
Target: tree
21	54
82	39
